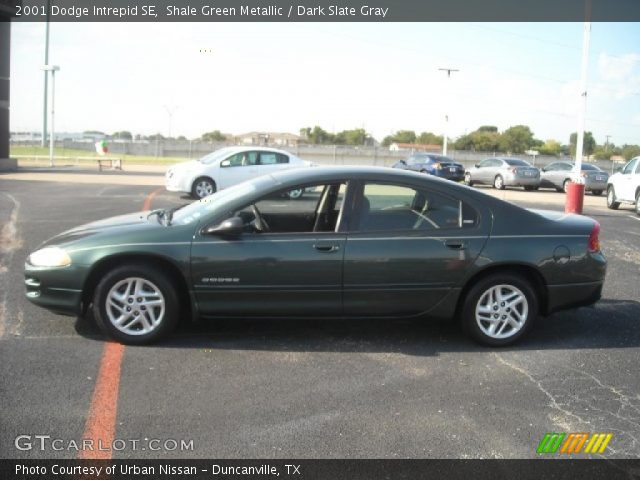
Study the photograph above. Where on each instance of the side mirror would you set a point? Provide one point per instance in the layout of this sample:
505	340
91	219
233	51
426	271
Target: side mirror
477	165
230	227
225	163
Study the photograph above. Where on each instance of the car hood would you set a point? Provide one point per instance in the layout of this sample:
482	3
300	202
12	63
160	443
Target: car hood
121	224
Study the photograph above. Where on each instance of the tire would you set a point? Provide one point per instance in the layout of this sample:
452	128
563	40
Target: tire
596	192
528	188
295	194
498	182
637	206
202	187
478	323
565	185
611	198
467	179
560	189
112	301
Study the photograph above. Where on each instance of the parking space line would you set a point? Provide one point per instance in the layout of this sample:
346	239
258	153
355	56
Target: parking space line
634	217
100	426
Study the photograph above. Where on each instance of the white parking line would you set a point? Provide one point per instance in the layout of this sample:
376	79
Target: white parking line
634	217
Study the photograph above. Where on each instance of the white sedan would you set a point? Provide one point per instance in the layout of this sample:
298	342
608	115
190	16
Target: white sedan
228	166
624	186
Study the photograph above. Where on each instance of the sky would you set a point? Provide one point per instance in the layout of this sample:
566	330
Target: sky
280	77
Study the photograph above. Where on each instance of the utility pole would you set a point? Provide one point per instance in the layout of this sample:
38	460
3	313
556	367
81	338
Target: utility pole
45	108
606	142
170	111
446	115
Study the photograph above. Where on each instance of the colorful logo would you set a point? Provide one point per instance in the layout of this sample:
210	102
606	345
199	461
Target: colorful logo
580	442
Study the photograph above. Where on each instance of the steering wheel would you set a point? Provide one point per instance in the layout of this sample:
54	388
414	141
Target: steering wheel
260	222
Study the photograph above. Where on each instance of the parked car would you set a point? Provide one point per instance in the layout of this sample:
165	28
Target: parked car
433	164
624	186
504	172
558	175
372	242
228	166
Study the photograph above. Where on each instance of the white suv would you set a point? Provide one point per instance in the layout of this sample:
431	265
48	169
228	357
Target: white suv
228	166
624	186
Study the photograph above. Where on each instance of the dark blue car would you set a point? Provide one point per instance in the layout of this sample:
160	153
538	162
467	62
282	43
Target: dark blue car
433	164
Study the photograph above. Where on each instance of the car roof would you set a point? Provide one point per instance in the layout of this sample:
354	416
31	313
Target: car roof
243	148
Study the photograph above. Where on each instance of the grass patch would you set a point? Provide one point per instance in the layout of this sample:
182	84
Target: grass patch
20	150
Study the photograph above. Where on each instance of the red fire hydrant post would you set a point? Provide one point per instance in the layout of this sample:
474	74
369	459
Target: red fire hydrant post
575	198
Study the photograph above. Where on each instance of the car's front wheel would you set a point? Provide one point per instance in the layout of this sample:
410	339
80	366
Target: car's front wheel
637	203
499	309
135	304
612	203
203	187
498	182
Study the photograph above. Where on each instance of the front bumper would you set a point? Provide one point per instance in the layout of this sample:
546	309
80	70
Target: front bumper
56	289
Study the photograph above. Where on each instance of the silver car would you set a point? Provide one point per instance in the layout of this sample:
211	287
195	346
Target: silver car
558	175
504	172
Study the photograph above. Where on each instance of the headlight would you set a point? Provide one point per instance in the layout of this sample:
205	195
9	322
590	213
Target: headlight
50	257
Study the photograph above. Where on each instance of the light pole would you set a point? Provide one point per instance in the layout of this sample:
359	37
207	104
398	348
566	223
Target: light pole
170	112
43	140
446	115
53	69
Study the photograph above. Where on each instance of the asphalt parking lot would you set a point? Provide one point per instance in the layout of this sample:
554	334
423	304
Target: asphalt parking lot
313	389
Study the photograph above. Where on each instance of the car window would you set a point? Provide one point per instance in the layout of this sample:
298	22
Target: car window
386	207
272	158
552	167
243	159
629	167
514	162
638	166
497	163
485	163
304	209
587	166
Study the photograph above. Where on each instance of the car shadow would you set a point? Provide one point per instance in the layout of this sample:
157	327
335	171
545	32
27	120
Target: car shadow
609	324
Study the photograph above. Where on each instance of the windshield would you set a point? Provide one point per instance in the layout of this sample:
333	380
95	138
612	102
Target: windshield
193	212
586	166
514	162
217	155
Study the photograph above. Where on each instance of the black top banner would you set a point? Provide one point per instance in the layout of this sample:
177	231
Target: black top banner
324	11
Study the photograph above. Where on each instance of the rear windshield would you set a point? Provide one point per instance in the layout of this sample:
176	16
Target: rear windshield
514	162
586	166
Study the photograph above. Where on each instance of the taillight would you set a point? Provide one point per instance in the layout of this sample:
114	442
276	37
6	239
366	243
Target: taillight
594	241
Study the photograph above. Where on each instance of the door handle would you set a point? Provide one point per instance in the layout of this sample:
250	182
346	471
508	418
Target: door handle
327	248
455	244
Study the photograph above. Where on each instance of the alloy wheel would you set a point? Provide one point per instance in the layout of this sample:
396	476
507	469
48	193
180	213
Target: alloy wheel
204	188
135	306
502	311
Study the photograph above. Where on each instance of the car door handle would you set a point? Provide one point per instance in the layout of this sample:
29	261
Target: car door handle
455	244
327	248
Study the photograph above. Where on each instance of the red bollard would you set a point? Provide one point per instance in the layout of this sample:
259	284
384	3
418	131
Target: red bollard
575	198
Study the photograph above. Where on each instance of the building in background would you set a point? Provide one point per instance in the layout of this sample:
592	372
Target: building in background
7	10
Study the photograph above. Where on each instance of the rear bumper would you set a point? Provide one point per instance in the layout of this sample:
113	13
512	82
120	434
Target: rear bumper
448	175
595	185
522	181
561	297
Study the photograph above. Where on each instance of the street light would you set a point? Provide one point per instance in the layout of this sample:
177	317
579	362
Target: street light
446	115
53	69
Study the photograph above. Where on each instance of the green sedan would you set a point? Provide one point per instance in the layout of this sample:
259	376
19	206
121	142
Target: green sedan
362	242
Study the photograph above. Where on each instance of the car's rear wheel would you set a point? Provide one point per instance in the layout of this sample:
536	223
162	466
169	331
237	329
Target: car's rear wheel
135	304
467	179
637	208
596	192
203	187
499	309
498	182
612	203
565	185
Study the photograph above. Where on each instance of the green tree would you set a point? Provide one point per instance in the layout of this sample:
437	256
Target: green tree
630	151
213	136
401	136
488	128
588	145
485	140
356	136
428	138
516	139
122	135
550	147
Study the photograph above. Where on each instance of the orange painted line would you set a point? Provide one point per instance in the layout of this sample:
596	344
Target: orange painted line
149	199
100	426
101	421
